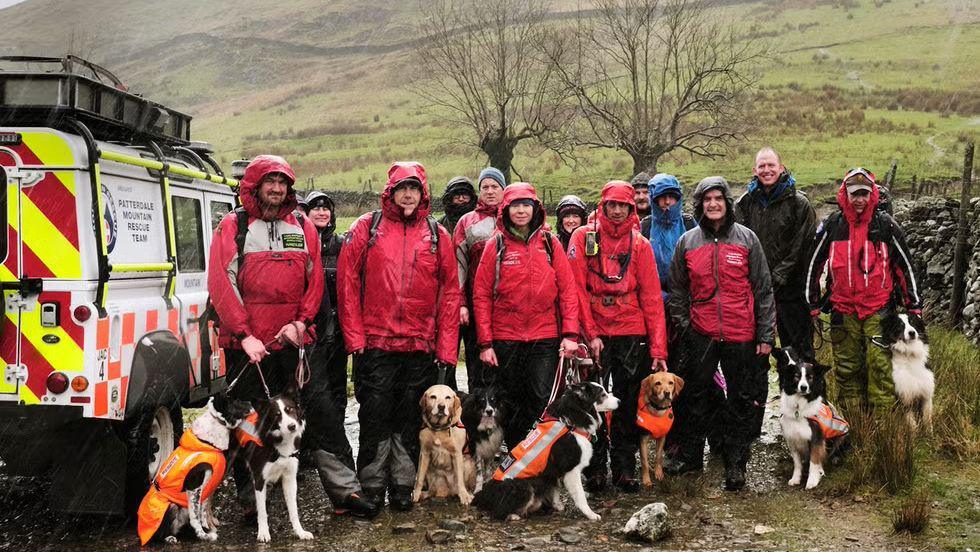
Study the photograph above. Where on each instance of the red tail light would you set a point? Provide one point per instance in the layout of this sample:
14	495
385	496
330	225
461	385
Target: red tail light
82	313
57	383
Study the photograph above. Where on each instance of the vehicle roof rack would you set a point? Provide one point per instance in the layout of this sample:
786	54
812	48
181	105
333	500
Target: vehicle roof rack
76	88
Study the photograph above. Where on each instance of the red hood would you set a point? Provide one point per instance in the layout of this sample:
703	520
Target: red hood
622	192
254	173
514	192
849	214
397	173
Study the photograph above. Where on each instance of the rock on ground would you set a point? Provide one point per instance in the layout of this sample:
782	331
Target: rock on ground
649	524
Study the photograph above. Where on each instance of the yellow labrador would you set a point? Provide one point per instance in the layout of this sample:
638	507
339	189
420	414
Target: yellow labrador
655	416
443	469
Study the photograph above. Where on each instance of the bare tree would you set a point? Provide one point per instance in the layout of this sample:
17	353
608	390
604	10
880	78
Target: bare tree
652	76
481	61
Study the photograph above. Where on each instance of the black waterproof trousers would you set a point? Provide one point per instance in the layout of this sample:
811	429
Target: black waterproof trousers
325	437
738	418
626	362
524	379
329	360
475	375
388	386
793	321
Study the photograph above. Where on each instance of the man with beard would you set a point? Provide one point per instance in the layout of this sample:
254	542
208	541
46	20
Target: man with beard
641	194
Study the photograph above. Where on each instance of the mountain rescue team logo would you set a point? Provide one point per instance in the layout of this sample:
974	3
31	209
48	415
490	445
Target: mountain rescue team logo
572	252
109	219
735	258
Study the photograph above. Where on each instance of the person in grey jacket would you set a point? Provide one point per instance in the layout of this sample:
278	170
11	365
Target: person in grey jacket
722	305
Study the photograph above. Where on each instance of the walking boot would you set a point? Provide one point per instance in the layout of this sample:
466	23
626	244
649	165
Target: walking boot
735	463
357	506
400	497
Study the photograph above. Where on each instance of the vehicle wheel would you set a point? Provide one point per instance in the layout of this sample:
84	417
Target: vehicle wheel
150	438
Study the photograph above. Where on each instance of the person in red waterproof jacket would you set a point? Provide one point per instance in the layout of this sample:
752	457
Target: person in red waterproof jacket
721	303
526	308
870	273
622	307
472	232
267	294
398	293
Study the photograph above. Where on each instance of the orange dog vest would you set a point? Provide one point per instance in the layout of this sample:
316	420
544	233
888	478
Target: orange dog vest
830	421
657	426
248	431
168	484
529	458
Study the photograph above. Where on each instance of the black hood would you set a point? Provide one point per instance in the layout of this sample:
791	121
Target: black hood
459	184
317	197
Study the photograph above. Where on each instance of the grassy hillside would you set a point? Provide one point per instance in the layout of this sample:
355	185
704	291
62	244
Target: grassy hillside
327	84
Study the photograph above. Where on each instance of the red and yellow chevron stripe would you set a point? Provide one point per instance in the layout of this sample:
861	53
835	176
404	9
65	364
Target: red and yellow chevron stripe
49	228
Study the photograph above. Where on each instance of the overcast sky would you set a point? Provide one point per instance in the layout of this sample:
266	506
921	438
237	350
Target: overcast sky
5	3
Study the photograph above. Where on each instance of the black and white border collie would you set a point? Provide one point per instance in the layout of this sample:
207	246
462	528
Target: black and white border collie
276	460
802	390
483	417
905	336
579	408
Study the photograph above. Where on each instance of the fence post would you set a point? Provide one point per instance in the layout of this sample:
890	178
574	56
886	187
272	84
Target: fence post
962	229
890	177
915	194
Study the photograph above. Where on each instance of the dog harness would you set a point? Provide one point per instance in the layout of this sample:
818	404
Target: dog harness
529	458
168	484
657	426
248	431
831	423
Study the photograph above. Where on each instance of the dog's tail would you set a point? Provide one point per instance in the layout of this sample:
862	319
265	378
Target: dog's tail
503	498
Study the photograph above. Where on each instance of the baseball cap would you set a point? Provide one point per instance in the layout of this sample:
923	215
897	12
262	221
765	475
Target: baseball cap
859	184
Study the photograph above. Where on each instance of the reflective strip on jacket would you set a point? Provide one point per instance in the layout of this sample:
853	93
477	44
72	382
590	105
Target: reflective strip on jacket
831	422
530	457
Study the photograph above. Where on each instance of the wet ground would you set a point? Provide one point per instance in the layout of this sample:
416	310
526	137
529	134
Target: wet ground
768	515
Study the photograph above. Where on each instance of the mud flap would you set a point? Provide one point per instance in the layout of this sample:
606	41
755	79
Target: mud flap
88	476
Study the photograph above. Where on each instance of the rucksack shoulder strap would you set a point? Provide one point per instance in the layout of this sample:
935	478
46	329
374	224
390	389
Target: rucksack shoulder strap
434	231
549	246
241	218
373	230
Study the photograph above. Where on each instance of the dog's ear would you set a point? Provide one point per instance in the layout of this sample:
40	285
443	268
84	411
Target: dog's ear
678	384
820	369
645	391
457	410
424	403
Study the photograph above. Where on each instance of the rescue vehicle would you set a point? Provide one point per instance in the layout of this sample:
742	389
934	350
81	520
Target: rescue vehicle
109	209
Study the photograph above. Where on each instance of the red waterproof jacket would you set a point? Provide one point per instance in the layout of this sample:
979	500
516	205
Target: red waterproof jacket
471	234
531	295
719	280
867	256
397	294
615	300
280	280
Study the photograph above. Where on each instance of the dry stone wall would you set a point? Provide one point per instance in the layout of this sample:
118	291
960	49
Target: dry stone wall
929	224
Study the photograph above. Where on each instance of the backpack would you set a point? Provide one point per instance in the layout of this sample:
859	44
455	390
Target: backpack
548	248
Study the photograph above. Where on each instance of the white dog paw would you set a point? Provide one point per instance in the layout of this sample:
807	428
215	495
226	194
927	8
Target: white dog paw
303	534
794	481
465	499
263	536
593	516
513	517
170	539
812	482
